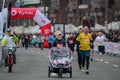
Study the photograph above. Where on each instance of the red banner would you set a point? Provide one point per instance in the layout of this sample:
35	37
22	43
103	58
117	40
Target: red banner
46	30
23	12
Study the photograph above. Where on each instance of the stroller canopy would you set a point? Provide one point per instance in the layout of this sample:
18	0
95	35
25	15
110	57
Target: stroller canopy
63	52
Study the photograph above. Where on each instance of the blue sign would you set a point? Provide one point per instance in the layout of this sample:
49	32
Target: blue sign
17	4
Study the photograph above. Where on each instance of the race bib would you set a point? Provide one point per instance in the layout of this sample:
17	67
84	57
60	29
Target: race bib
59	45
70	41
100	42
86	40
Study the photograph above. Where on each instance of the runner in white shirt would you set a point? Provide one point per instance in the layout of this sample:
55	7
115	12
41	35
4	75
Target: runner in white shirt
100	39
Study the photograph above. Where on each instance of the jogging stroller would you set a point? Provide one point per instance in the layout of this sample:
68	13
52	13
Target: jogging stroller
60	61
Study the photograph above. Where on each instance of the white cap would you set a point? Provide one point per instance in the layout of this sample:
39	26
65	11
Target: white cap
8	30
59	32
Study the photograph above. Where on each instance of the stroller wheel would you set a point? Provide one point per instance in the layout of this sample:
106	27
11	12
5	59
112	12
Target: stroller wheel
60	73
70	72
49	71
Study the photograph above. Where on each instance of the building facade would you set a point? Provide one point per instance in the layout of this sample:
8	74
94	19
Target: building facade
67	11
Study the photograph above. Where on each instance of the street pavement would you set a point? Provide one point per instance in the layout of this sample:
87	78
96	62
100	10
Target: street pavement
32	64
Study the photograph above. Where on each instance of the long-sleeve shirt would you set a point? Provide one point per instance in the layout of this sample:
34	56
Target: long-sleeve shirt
59	43
9	41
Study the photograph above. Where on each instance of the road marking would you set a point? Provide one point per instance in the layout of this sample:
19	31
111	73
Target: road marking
47	56
44	54
115	65
106	62
97	59
113	70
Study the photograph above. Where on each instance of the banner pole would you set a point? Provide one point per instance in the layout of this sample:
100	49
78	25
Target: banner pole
2	22
9	14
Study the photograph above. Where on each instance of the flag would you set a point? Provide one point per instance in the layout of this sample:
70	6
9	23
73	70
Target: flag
44	22
1	25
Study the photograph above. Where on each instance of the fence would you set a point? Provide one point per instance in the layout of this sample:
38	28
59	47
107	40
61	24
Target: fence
110	47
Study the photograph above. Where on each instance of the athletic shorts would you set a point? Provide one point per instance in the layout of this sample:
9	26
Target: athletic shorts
84	53
92	46
101	49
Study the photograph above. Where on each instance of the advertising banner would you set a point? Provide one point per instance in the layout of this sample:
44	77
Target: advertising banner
110	47
21	12
1	26
46	30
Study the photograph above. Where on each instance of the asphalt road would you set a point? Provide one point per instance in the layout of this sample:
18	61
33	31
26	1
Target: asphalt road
32	64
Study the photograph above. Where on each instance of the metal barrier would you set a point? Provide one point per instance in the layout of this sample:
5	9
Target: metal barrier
110	47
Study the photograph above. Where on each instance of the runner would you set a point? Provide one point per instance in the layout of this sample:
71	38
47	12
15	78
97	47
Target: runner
51	39
100	39
77	43
59	41
92	46
84	50
41	40
26	41
70	41
35	41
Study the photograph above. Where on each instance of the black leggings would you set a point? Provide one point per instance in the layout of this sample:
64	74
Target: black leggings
79	59
50	45
86	61
85	56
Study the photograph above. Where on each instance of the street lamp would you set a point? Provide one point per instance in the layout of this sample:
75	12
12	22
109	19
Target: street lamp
44	7
3	5
53	16
106	17
119	25
84	8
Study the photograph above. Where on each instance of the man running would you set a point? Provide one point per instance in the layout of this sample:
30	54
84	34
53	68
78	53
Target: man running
84	39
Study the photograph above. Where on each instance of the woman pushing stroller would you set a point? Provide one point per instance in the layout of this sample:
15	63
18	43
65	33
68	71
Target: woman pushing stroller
59	41
60	57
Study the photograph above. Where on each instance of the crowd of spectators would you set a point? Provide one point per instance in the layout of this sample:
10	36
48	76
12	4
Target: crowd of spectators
114	36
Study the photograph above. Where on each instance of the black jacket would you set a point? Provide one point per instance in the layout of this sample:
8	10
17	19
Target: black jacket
77	42
59	42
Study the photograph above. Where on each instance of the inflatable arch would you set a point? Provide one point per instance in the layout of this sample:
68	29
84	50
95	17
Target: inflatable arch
33	13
